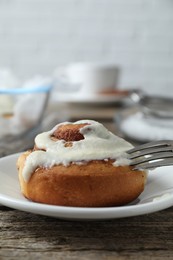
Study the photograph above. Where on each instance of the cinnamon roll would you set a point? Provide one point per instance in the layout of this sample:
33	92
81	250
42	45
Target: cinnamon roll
79	164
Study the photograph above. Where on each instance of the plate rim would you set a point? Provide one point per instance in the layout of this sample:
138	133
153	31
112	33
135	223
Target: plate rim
81	98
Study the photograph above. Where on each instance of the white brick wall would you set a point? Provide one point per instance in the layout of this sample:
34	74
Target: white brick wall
38	35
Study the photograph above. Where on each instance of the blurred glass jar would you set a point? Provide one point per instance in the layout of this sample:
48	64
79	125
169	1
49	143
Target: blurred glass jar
21	111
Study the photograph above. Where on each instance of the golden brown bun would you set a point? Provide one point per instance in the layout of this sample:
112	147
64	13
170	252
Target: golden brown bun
95	183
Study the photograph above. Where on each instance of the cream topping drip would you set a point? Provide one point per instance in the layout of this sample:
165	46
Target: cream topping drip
98	144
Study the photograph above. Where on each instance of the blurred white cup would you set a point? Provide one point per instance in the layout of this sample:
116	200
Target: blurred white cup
89	78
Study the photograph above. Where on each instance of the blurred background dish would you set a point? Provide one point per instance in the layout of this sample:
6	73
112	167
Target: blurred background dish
111	97
89	78
157	106
153	105
22	111
136	124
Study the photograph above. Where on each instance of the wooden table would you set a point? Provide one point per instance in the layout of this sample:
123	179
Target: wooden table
28	236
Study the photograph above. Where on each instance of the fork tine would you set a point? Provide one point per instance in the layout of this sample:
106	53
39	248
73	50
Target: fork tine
149	151
153	165
153	157
149	145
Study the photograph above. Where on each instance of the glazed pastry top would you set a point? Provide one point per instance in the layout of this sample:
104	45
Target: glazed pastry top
97	144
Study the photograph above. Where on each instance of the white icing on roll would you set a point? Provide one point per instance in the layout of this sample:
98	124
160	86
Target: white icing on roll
98	144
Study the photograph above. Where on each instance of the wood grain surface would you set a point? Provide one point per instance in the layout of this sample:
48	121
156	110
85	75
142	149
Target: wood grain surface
28	236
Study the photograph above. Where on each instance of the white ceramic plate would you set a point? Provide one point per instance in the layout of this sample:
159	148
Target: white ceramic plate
78	98
158	195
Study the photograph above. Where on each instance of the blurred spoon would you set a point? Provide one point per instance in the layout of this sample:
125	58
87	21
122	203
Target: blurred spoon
153	106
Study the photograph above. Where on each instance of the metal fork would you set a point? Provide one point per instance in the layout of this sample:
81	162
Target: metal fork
151	155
